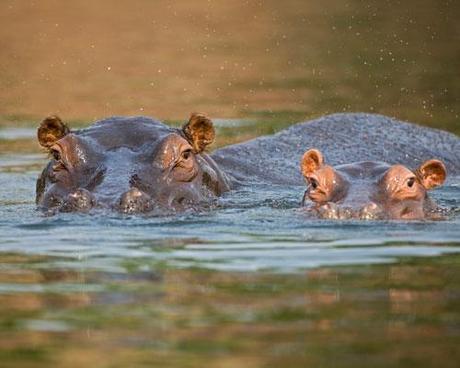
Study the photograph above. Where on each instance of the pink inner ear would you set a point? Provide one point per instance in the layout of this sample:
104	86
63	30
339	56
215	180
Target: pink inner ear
51	130
199	131
432	173
312	160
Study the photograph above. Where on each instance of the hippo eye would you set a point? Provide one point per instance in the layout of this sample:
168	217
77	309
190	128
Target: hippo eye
58	165
186	154
411	182
314	183
56	155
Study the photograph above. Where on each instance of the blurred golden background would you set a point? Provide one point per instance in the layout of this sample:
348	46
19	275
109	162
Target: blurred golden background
287	61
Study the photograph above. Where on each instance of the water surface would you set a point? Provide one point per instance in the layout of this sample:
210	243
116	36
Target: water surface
251	282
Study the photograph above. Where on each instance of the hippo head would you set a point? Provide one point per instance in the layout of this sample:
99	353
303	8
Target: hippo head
370	190
128	164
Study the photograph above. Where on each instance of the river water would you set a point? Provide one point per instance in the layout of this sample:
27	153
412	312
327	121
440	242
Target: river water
253	281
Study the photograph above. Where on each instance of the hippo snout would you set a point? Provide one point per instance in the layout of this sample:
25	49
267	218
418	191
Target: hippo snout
135	201
370	211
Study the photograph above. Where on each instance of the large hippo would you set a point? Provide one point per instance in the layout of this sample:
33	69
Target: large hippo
128	164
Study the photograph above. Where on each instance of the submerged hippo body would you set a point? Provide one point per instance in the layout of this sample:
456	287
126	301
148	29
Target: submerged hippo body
128	164
343	139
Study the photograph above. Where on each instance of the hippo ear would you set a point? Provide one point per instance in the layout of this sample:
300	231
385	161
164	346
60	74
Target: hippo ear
432	173
51	130
312	160
199	131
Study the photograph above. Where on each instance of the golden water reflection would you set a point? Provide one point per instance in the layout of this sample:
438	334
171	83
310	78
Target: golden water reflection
289	62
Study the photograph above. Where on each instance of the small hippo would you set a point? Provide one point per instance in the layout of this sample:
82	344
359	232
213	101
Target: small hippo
128	164
370	189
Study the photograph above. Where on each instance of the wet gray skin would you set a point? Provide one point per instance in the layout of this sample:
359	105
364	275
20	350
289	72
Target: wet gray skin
343	139
128	164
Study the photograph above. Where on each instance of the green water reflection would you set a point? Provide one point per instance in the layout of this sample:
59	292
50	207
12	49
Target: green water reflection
399	315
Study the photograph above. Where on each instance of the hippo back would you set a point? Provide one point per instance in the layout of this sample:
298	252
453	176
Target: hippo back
343	138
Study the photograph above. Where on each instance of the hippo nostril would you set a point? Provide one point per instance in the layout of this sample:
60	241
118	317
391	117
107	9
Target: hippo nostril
346	213
331	210
134	193
328	211
371	211
79	200
134	200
